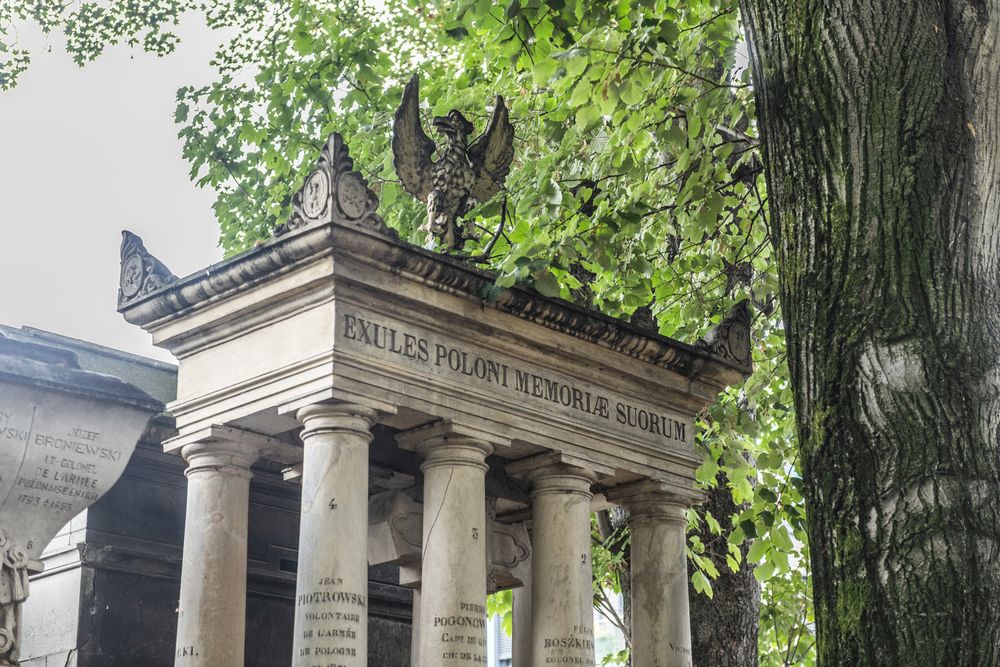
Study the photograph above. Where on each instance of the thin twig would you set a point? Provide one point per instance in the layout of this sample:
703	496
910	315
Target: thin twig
486	255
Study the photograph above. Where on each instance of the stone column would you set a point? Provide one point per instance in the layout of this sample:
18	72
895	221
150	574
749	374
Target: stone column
452	620
562	606
661	623
211	614
331	591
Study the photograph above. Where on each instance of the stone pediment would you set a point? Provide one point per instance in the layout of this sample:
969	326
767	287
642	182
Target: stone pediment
334	192
141	273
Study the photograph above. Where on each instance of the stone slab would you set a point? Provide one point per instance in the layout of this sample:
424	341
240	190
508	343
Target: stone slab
59	453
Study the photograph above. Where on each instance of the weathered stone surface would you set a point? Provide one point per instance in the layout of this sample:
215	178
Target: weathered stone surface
211	613
395	536
464	175
109	592
562	608
509	549
65	437
521	621
331	593
141	273
394	529
334	192
334	311
730	340
452	619
661	628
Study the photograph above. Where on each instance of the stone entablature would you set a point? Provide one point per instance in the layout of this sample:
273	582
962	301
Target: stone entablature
339	312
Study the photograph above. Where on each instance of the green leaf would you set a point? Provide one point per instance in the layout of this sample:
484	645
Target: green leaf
587	116
701	583
757	550
547	285
669	32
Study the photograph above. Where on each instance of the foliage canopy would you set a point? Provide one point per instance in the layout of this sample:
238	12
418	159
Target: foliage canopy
636	185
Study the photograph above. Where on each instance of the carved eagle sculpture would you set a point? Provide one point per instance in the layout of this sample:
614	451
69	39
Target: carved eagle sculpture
463	176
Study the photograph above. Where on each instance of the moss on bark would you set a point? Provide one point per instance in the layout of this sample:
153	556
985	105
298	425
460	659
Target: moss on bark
881	125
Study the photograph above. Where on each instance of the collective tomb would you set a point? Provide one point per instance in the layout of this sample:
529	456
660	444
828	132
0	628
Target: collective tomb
526	413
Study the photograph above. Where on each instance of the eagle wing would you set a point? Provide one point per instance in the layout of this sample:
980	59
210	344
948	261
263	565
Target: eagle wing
492	153
411	147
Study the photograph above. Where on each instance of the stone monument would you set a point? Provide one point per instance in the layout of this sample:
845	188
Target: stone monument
66	435
525	408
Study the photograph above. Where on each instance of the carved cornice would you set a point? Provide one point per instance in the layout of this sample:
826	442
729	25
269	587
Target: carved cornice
442	272
334	192
141	273
730	340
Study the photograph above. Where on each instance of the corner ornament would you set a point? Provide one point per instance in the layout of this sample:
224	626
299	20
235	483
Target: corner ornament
334	192
730	340
141	273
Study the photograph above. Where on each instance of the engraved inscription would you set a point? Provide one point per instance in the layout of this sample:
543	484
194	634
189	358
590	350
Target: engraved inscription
58	455
676	648
64	479
463	635
57	480
508	376
186	652
332	624
575	649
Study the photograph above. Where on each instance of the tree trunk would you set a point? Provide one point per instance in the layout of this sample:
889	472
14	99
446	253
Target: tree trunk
880	121
724	627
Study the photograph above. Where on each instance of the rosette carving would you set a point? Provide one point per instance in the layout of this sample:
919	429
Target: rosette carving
141	273
334	192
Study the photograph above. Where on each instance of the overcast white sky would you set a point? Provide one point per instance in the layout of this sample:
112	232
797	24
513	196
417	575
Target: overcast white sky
85	153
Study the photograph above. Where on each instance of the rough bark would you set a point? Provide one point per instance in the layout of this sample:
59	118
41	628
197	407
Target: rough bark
880	120
724	627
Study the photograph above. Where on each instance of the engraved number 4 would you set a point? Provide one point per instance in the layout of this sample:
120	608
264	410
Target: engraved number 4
333	503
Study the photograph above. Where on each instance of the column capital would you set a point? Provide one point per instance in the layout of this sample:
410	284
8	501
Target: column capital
557	472
655	498
255	445
446	443
218	456
337	417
